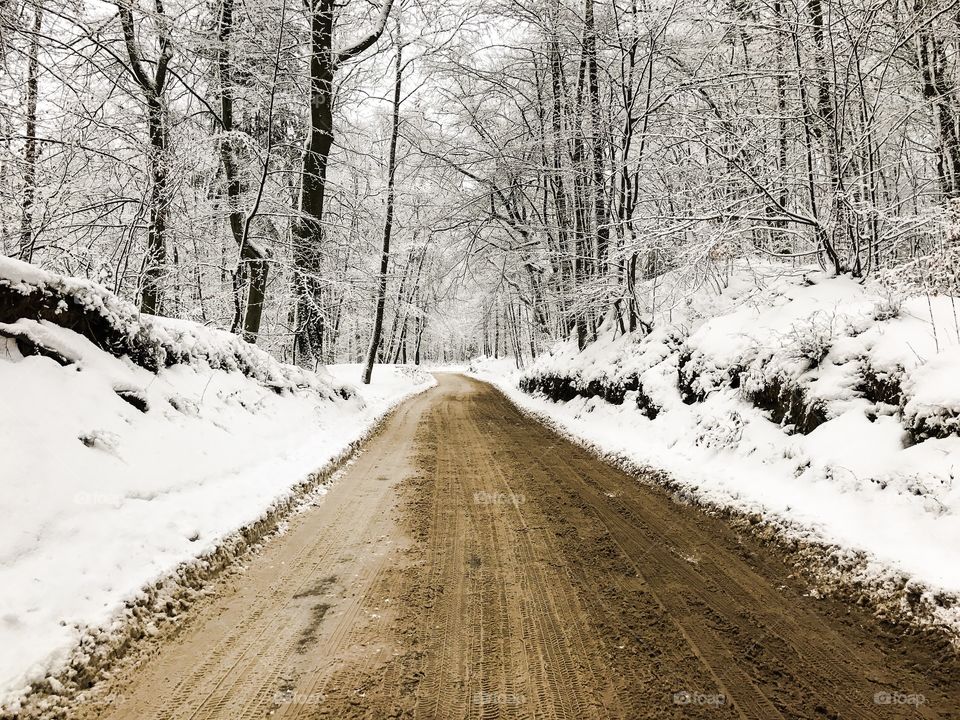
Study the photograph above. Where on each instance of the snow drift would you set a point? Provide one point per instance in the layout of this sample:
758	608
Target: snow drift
829	407
130	446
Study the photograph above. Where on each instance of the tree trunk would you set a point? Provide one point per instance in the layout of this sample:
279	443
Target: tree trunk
27	240
153	88
388	222
388	345
782	140
601	228
308	230
156	258
827	133
421	327
558	186
940	92
251	274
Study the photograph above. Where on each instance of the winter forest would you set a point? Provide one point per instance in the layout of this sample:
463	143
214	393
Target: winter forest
470	177
509	359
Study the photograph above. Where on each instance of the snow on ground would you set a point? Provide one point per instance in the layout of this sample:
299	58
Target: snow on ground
100	498
876	477
388	382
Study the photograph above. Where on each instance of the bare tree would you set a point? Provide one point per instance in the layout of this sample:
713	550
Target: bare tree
30	146
153	86
324	62
388	220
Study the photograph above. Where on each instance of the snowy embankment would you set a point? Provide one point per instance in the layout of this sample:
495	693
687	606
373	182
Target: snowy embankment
821	405
121	469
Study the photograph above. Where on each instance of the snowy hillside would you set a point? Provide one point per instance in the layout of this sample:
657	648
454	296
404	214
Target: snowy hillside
118	467
819	403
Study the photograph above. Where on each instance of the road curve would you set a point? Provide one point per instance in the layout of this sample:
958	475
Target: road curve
470	563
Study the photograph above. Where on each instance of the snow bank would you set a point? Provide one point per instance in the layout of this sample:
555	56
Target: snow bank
117	327
112	476
817	403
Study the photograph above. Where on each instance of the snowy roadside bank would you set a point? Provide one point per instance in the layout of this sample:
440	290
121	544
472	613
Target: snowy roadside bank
828	463
122	486
907	576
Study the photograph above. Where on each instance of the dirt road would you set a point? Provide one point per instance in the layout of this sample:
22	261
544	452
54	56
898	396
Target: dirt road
472	564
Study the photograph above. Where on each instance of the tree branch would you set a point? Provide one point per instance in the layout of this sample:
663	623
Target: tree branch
343	55
130	40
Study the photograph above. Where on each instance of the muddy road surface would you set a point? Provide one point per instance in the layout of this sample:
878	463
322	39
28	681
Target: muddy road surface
470	563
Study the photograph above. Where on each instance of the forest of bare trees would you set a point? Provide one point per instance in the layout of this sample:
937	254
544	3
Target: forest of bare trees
421	180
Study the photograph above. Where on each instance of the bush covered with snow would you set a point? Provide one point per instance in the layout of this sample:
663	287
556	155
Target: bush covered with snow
803	348
931	394
30	298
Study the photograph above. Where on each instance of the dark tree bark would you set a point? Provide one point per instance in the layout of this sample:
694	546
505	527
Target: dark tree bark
153	87
390	348
782	140
27	239
826	132
250	279
411	297
421	329
388	222
941	93
601	226
308	231
557	184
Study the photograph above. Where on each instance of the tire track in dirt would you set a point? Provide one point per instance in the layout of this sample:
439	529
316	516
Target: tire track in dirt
627	604
473	564
288	616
